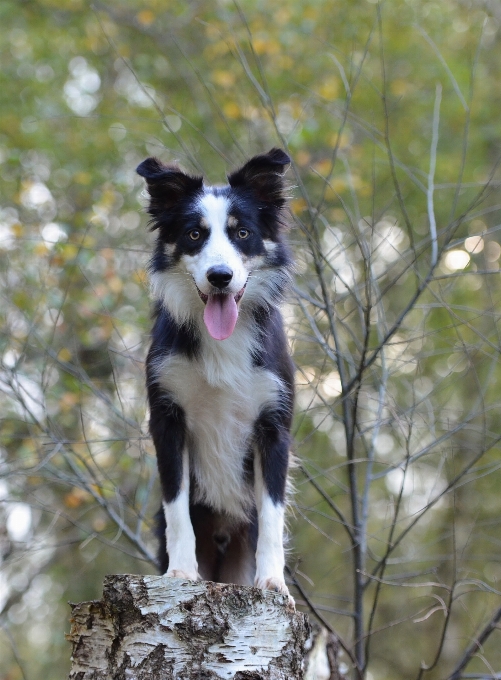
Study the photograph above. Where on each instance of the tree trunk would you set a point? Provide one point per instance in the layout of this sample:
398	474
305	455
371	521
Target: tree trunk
152	627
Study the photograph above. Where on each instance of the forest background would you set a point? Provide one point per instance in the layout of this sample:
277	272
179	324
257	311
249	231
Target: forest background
391	114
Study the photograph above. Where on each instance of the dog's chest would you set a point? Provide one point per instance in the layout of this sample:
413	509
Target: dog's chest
221	402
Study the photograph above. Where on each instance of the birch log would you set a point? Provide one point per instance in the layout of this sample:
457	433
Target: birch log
153	627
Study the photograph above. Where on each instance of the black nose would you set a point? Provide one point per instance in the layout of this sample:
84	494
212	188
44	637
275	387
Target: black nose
219	276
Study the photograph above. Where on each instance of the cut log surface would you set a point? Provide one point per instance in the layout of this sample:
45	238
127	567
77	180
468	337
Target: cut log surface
154	627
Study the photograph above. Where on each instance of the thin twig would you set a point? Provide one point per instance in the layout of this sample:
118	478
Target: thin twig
431	177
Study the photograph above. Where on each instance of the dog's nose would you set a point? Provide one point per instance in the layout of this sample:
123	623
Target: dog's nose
219	276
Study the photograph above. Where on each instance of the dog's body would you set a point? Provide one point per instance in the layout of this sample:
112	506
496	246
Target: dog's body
220	379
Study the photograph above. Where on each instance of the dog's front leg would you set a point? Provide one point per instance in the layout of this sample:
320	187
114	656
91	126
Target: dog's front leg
179	532
167	427
270	473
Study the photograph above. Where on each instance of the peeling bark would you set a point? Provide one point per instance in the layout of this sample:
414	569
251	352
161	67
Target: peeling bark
149	627
321	659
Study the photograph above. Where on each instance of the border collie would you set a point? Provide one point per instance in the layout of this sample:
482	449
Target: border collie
219	375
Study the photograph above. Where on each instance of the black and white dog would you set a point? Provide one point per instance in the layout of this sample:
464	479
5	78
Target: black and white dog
220	379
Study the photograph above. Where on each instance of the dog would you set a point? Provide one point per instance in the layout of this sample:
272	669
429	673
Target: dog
219	375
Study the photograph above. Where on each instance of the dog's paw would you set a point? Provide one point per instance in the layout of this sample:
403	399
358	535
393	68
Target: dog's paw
273	583
187	575
277	585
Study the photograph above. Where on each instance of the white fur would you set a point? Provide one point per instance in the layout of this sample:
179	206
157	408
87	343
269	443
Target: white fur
175	288
179	532
270	246
215	210
222	395
265	285
270	549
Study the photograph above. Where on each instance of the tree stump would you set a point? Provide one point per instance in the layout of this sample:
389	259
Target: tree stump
153	627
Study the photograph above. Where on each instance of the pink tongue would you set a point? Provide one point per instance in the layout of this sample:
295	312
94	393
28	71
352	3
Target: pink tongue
220	316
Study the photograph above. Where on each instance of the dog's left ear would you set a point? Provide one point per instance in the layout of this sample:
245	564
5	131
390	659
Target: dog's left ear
264	176
167	184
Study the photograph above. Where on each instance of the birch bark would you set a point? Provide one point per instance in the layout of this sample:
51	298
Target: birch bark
172	629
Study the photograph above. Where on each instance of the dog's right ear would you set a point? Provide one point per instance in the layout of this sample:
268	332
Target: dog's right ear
167	184
263	174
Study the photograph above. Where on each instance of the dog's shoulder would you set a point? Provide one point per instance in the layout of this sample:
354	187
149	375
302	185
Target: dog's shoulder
170	337
272	350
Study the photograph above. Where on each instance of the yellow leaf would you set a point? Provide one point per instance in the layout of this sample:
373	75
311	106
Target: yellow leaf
71	501
224	78
17	230
329	88
310	13
231	110
64	354
145	17
341	142
88	241
115	284
323	167
399	87
76	497
285	62
215	50
107	197
265	46
97	489
338	184
298	205
21	299
282	16
83	178
40	249
213	31
140	276
338	215
365	189
69	251
302	157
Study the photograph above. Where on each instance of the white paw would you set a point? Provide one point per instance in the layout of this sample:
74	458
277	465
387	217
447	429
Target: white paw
276	584
179	573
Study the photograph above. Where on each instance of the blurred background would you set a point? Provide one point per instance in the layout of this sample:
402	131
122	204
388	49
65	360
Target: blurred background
391	113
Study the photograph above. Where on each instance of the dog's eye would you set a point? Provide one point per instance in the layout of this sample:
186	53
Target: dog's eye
243	233
194	234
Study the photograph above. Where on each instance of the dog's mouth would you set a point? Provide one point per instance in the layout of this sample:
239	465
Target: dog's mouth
221	312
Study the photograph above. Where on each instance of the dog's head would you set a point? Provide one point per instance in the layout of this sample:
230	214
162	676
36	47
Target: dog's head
224	243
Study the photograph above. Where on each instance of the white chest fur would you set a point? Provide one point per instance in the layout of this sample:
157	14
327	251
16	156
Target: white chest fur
221	394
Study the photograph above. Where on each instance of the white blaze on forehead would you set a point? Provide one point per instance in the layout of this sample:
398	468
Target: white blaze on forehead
219	249
215	211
